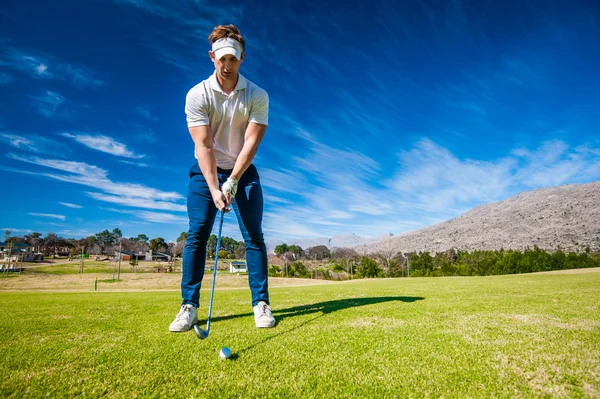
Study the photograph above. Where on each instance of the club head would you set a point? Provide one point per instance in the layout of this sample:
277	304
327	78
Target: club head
202	334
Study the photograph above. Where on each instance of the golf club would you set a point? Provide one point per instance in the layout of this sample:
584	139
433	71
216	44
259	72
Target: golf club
203	334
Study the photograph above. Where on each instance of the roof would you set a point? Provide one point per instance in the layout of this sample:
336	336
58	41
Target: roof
16	245
159	254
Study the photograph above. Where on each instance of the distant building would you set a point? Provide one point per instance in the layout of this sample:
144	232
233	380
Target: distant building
19	251
238	267
143	256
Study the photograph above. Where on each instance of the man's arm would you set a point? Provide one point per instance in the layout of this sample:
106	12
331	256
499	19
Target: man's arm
255	131
205	153
252	138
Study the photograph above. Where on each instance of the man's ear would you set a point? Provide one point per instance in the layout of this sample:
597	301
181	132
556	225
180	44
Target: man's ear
243	56
212	55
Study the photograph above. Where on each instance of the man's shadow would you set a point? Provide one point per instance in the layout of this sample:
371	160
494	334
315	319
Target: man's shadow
323	308
326	307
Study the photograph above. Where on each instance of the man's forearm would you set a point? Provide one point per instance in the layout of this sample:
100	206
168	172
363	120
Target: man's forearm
252	138
208	165
244	159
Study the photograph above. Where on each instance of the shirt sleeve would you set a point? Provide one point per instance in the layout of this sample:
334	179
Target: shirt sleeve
196	109
260	107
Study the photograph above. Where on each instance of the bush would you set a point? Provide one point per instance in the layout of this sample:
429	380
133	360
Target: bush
298	269
274	271
338	267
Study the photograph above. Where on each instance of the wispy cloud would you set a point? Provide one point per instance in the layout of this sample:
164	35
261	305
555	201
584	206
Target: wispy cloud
69	205
50	104
130	194
154	217
5	78
13	230
136	201
44	66
75	233
104	144
433	179
145	113
35	143
429	184
47	215
140	164
18	141
554	162
190	22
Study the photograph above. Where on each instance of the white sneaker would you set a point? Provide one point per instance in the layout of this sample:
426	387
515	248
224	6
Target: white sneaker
263	316
185	319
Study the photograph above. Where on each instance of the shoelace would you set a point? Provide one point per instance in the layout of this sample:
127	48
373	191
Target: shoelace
263	309
184	312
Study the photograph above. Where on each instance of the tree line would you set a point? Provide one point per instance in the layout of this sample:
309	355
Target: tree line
108	242
344	263
321	262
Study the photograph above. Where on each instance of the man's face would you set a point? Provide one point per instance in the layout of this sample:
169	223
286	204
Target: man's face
228	66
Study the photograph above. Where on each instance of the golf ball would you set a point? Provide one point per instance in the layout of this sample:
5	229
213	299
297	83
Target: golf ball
225	353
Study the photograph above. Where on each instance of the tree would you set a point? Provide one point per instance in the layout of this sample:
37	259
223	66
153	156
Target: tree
211	245
240	250
228	244
171	248
34	239
295	251
158	244
422	264
117	234
90	245
104	239
140	243
319	252
127	245
347	257
51	242
180	244
142	238
386	251
281	249
368	267
9	246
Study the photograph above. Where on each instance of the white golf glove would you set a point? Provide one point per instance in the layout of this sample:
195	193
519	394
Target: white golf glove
230	186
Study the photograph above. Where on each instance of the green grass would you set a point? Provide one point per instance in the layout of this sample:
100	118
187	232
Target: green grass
481	337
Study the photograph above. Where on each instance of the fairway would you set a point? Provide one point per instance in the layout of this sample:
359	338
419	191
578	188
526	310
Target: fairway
515	336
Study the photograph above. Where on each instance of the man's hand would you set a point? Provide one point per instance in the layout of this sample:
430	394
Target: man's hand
220	200
229	190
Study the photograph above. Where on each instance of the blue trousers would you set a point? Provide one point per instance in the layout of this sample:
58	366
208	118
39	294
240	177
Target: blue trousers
248	208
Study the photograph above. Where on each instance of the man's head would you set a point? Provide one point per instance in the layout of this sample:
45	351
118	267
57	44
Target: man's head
228	51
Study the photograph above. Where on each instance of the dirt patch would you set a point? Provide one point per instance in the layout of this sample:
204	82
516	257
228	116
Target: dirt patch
135	282
573	271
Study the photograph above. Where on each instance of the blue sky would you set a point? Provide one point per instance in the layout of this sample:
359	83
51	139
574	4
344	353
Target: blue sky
384	116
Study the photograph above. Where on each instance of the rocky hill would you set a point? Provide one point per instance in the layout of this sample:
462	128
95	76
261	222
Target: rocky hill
566	216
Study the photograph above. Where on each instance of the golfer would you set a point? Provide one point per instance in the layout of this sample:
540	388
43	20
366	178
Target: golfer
227	117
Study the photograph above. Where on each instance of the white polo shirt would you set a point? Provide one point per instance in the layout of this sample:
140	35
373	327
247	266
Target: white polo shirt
227	115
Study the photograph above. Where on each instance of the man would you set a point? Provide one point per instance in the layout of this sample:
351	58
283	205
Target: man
227	117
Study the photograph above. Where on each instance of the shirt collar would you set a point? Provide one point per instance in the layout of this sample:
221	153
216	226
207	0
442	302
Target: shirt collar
214	84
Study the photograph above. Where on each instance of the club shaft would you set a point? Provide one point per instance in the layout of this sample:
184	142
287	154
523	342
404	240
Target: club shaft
212	291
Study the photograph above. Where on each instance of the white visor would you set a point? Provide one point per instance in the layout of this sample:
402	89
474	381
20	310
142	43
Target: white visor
227	46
